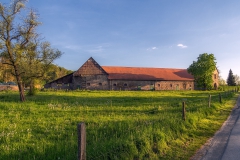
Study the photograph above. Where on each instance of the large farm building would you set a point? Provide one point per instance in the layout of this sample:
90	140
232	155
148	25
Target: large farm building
92	76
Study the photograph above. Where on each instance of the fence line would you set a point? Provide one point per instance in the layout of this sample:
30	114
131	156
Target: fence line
83	131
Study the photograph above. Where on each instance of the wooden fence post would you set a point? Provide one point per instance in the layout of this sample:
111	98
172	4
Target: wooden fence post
183	111
209	100
81	129
220	98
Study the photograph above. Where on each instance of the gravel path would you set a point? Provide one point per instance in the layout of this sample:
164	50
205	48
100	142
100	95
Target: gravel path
225	144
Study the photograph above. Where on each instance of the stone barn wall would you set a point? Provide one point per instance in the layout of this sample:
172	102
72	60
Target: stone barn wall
174	85
61	83
215	79
55	85
151	85
91	82
131	85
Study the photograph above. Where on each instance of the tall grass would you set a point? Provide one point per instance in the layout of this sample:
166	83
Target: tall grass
120	125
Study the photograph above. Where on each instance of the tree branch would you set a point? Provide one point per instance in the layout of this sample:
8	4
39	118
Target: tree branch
7	63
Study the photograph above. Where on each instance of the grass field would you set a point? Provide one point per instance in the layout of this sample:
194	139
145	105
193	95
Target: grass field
120	124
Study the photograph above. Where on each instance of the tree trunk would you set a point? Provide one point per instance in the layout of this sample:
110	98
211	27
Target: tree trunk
20	85
21	89
204	87
31	88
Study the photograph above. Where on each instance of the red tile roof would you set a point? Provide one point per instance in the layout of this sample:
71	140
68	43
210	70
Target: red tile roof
138	73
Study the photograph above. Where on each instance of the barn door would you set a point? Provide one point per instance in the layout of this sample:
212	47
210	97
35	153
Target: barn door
83	83
177	87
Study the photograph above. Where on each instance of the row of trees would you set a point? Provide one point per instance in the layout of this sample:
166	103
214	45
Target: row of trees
232	80
54	72
22	51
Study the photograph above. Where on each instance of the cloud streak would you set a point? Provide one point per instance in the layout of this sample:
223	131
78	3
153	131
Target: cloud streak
97	49
182	46
153	48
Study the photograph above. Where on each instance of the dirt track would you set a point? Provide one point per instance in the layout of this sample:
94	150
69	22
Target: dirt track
219	147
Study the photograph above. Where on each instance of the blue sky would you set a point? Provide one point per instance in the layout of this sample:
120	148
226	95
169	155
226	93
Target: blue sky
142	33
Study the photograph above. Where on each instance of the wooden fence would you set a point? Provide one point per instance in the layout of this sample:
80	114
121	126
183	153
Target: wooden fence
81	128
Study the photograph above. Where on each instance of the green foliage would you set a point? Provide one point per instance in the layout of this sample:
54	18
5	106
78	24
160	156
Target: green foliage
32	92
220	88
202	70
120	125
55	72
36	61
231	79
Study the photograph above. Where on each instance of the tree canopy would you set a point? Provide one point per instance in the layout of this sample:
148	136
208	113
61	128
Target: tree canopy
20	46
231	79
203	69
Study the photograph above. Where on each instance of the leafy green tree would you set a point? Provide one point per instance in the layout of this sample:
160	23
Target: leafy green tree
36	62
202	70
19	43
54	73
231	79
14	38
5	72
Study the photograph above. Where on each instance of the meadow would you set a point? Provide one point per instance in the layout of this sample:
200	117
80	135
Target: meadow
119	124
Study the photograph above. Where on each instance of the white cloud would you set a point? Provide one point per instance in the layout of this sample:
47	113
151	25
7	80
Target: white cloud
153	48
182	46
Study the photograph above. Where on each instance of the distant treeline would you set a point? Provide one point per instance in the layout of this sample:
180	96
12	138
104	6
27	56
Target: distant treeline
53	73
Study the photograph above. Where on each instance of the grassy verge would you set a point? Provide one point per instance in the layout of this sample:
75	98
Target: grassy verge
120	125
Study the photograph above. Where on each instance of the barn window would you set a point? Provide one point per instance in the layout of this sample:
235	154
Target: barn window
100	84
170	85
125	85
159	85
152	87
139	87
114	84
88	84
184	85
190	87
